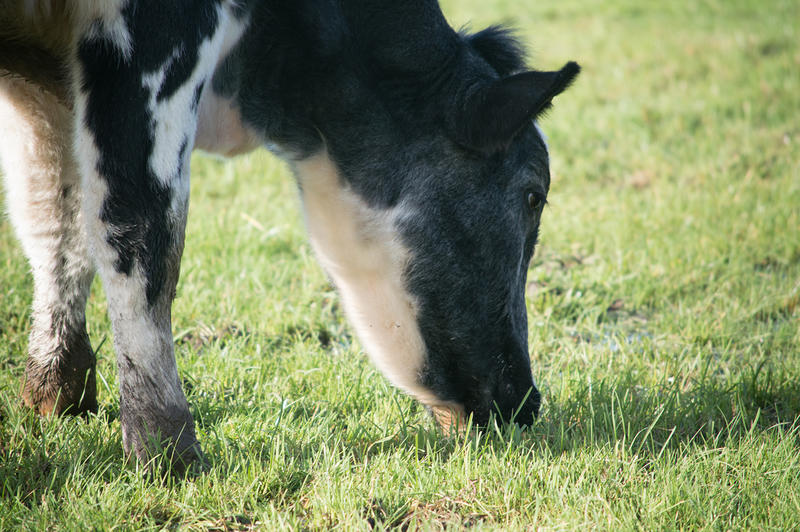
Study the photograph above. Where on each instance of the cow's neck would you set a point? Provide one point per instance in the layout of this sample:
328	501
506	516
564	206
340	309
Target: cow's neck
299	74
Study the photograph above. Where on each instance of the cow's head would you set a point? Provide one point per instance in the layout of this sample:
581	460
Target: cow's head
423	177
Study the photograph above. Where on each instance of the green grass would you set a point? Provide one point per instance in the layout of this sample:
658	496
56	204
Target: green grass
664	310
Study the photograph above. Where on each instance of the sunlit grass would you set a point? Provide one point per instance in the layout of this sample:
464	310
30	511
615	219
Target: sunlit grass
664	316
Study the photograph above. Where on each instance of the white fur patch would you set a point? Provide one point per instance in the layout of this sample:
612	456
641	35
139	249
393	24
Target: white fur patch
359	248
174	123
220	128
169	118
111	23
543	136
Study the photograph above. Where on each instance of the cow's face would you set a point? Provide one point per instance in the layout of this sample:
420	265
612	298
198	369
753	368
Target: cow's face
423	177
471	230
429	238
434	282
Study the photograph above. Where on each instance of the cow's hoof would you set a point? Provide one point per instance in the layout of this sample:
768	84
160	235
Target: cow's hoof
163	442
66	385
189	462
177	459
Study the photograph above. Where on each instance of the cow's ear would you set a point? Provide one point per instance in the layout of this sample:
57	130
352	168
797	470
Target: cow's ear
495	114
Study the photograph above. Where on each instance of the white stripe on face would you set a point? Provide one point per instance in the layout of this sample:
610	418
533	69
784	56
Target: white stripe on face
544	138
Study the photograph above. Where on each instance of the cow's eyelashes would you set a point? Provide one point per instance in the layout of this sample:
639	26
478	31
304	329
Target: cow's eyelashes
536	201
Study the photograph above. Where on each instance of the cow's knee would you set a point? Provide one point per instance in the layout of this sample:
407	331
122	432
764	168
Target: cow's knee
42	184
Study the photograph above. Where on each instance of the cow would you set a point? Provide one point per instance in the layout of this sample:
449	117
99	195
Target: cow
421	169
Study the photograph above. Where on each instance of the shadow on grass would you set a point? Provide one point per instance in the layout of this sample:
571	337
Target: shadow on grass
710	411
676	413
39	456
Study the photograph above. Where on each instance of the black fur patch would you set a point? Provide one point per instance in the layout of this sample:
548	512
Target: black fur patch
495	114
500	48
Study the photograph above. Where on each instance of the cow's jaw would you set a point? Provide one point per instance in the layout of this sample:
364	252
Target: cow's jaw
361	250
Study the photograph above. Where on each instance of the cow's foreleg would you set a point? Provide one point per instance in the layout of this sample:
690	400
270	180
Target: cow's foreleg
135	132
135	227
42	184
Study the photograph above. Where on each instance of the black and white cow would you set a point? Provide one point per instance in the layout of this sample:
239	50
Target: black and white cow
421	171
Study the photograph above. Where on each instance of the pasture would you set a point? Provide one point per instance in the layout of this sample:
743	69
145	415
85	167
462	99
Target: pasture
664	320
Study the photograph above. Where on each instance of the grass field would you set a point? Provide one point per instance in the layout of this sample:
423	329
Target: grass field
664	316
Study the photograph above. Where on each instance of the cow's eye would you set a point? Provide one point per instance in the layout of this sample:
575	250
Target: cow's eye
535	201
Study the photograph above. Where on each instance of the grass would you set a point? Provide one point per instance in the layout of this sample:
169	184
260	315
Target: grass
664	310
